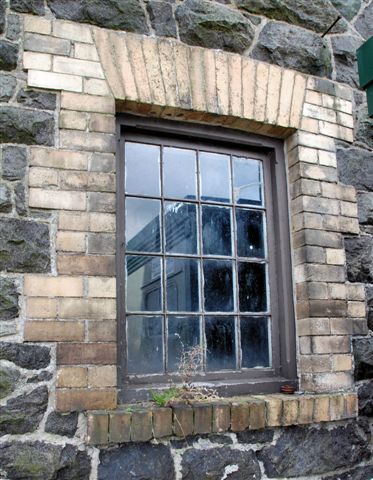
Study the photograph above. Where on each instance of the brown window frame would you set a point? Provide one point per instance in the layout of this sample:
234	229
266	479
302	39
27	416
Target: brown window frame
229	383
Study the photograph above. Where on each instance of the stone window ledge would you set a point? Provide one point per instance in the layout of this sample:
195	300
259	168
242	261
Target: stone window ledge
141	423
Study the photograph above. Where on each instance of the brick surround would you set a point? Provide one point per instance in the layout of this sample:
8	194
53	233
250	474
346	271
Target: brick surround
101	72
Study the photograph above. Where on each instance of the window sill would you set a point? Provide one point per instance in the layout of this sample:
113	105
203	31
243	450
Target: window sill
141	423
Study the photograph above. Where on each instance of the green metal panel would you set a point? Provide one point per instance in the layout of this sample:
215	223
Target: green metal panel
370	99
365	62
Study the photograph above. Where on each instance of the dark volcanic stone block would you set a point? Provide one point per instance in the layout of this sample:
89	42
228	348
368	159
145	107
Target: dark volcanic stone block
64	424
28	6
8	299
317	15
40	100
116	14
23	414
7	87
358	251
14	163
214	26
302	451
136	462
43	461
162	18
365	395
363	355
295	48
8	55
211	464
364	22
24	246
344	49
32	357
355	167
18	125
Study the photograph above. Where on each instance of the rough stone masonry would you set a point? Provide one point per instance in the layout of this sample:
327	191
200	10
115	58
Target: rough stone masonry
57	235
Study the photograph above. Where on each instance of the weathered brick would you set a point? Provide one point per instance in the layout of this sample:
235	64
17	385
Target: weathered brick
101	222
85	52
86	353
99	331
305	410
101	243
313	326
316	141
351	405
137	61
297	100
290	409
72	31
41	308
102	376
90	141
64	159
102	287
202	418
182	420
248	86
273	94
240	416
119	427
98	308
69	400
102	123
74	66
86	265
46	44
337	409
315	363
37	61
321	409
162	422
101	202
43	177
73	120
87	103
38	286
55	81
342	363
221	417
141	426
262	72
57	199
73	221
287	86
97	428
340	326
70	242
72	377
330	344
273	411
356	309
257	414
36	24
310	125
49	331
102	162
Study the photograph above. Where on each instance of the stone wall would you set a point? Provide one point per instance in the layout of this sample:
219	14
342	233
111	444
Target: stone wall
38	442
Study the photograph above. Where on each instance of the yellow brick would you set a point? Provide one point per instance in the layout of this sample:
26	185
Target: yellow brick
49	331
290	411
62	286
43	177
87	103
273	93
75	66
95	86
57	199
102	123
73	221
356	309
262	73
222	87
152	64
41	308
235	83
210	81
54	81
273	411
297	100
197	79
321	409
37	61
72	31
287	85
70	242
139	68
63	159
36	24
104	376
248	86
342	363
102	287
181	53
85	52
73	120
88	308
69	377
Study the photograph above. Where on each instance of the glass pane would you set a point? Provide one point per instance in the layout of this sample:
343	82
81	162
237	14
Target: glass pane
142	169
220	343
143	283
250	233
182	285
252	287
183	334
179	173
255	342
215	177
181	227
247	186
144	344
216	231
218	286
142	225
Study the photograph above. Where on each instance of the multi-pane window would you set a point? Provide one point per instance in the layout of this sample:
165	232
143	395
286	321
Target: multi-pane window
196	257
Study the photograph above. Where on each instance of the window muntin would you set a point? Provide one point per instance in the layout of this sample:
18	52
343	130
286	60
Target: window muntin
196	258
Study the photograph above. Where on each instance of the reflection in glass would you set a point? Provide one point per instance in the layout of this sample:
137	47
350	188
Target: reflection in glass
142	225
216	231
215	177
247	180
220	343
142	169
183	334
255	342
181	227
179	173
144	344
143	283
252	287
250	233
182	284
218	286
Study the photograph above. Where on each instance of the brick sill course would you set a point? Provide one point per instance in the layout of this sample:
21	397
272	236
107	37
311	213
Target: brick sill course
143	422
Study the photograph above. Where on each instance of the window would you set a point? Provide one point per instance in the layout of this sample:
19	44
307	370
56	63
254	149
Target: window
203	257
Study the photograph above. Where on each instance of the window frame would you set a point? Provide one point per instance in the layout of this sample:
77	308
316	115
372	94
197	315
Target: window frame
226	140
